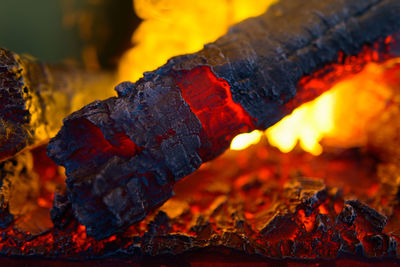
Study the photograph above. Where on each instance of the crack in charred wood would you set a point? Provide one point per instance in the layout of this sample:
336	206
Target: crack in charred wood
247	60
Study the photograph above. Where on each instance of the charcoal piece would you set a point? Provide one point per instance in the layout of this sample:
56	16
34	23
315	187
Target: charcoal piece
6	218
322	223
19	186
252	223
160	225
61	212
373	220
376	241
202	228
164	126
305	193
280	226
347	215
300	193
35	97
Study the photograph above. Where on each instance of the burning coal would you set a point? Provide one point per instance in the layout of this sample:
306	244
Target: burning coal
123	155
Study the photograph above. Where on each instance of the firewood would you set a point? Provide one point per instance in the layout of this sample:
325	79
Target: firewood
35	97
124	154
19	187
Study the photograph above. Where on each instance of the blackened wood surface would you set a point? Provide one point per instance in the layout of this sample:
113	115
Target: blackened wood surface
262	59
35	97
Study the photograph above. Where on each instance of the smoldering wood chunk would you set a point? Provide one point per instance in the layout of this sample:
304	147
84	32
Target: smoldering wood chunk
202	228
19	187
122	190
347	215
280	226
13	112
151	135
297	38
160	225
305	193
300	193
35	97
372	220
376	241
61	212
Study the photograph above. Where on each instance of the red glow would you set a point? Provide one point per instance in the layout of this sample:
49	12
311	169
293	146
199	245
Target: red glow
49	176
308	222
98	146
223	191
160	138
259	186
311	86
210	98
322	210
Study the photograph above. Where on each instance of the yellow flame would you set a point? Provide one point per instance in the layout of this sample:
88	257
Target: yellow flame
339	117
173	27
243	141
307	125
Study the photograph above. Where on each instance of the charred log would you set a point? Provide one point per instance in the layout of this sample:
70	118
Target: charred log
123	155
19	187
35	97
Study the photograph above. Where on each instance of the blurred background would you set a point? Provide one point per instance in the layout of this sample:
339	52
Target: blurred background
89	33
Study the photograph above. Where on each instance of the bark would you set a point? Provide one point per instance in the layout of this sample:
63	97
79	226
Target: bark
35	97
124	154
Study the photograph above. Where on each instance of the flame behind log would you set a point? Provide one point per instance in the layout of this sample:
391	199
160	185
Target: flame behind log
123	155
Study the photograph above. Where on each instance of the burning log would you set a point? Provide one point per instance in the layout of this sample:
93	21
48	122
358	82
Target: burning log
123	155
19	186
35	97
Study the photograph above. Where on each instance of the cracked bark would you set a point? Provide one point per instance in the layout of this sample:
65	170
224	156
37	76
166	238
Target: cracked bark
35	97
123	155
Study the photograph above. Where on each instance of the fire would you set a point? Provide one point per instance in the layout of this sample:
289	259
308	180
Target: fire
243	141
306	125
173	27
337	118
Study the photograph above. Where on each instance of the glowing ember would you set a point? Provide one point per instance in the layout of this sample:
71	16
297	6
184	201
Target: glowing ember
262	202
210	99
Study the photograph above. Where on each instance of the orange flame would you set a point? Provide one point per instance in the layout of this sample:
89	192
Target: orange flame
173	27
337	118
306	125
